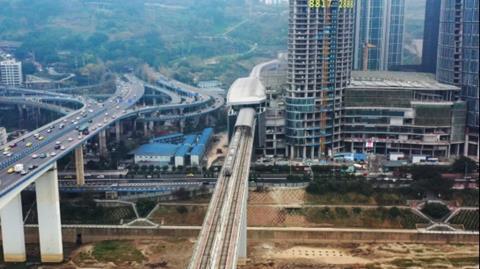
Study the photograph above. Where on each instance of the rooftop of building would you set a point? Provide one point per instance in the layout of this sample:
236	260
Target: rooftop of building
391	79
10	62
182	150
198	150
246	91
157	149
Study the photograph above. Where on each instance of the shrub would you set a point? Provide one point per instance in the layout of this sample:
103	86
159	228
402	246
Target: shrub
435	210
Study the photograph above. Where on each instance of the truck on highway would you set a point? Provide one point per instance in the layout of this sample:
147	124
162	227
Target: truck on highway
18	167
83	129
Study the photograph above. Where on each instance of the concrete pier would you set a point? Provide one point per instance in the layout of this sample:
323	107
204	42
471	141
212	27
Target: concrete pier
118	131
242	239
49	222
79	166
102	143
13	237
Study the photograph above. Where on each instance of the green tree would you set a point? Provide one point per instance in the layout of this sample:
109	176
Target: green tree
427	179
435	210
464	164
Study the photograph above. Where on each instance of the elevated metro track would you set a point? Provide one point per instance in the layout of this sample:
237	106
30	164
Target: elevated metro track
223	236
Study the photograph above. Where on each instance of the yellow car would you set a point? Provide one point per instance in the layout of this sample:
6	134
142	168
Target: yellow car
190	175
41	138
29	144
11	170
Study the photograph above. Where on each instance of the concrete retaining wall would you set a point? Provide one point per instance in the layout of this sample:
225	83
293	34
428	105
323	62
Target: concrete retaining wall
98	233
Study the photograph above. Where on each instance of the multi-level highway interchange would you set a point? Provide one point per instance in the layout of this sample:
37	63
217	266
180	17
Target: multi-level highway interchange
223	237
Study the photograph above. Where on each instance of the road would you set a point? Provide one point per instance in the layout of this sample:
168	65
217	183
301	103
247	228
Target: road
63	132
41	148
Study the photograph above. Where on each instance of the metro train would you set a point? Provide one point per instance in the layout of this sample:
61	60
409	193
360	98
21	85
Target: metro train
232	154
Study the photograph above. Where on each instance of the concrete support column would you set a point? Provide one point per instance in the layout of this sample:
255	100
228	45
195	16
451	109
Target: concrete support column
49	223
79	166
13	237
118	131
145	129
151	125
134	125
465	148
102	143
182	125
242	239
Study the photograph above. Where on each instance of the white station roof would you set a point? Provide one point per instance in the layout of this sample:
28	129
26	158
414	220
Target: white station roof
246	91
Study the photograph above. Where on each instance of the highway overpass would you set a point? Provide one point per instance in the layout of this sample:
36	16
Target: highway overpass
40	149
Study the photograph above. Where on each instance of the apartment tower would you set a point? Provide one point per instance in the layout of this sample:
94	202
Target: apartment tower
320	53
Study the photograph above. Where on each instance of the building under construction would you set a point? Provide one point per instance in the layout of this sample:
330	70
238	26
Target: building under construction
412	113
320	53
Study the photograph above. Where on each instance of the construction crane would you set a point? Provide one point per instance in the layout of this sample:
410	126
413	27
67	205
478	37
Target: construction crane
325	76
366	46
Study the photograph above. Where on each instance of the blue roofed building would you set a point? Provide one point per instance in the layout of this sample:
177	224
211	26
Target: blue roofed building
175	138
205	137
155	154
190	140
175	149
181	155
196	154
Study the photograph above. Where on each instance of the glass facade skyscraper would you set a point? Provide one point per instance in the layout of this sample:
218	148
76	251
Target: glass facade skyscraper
458	59
320	52
430	36
379	23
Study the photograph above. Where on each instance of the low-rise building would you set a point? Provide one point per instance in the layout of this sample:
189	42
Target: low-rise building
175	149
155	154
412	113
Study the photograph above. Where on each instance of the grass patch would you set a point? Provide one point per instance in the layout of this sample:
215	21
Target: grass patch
403	263
464	261
373	218
116	252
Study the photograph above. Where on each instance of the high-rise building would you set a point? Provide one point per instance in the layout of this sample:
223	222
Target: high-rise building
11	72
458	59
430	36
320	52
379	32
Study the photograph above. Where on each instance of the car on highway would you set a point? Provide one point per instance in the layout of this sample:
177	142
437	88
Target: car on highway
29	144
53	153
34	156
70	139
41	138
49	130
62	147
32	166
56	147
24	172
43	155
11	170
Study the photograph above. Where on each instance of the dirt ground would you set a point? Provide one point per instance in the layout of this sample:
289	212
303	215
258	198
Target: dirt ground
267	255
277	196
220	144
167	254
